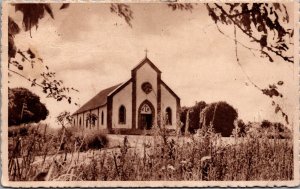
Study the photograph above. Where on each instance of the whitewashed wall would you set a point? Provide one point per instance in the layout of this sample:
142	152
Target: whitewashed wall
76	120
123	97
146	74
82	116
104	109
168	100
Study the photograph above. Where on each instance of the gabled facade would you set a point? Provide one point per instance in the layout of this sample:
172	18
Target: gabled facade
141	102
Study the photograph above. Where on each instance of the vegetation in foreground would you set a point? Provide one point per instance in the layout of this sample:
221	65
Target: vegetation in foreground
68	154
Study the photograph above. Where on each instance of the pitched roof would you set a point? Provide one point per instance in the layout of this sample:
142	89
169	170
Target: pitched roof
144	61
99	100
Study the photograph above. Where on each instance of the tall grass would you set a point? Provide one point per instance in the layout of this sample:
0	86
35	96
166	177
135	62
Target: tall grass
206	156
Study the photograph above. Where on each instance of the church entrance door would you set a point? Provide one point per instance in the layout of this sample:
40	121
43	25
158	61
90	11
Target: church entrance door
146	120
146	115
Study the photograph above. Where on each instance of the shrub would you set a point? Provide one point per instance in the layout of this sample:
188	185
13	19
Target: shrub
95	141
25	107
221	115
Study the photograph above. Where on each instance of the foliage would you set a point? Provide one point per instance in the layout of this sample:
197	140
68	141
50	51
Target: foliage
242	128
32	14
265	24
262	23
221	116
64	118
91	118
181	6
263	129
24	107
159	157
21	130
123	11
274	130
95	141
265	124
194	116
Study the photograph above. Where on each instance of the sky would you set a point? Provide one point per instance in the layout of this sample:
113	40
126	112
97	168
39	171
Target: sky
91	49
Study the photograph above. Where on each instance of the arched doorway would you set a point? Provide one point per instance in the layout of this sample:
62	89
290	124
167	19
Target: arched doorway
146	114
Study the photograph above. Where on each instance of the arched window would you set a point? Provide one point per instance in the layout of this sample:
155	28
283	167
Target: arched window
168	116
102	118
80	122
122	115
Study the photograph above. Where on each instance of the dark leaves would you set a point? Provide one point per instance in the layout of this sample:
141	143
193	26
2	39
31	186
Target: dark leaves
20	67
272	90
181	6
13	28
260	22
263	41
280	83
49	10
64	6
64	118
264	54
279	109
31	54
32	13
21	99
12	49
212	14
123	11
54	88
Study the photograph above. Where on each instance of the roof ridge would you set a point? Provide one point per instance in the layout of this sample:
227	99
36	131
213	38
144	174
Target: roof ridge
98	100
146	60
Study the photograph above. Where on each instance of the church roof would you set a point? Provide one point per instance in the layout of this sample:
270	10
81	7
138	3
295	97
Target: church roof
144	61
97	101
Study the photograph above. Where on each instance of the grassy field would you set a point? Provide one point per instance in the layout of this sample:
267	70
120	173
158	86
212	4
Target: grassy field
64	155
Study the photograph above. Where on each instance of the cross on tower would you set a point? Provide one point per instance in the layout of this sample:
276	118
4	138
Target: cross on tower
146	51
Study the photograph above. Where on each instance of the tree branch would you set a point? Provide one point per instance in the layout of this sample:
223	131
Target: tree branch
288	59
28	79
238	61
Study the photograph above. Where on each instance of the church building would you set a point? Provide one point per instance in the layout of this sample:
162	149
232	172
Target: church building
142	102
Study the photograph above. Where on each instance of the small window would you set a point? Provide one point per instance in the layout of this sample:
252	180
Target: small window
168	116
122	115
74	122
80	122
102	118
86	123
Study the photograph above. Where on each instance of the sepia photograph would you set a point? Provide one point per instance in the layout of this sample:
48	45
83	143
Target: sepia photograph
151	94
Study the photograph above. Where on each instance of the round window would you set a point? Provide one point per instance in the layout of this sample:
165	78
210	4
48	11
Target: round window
147	87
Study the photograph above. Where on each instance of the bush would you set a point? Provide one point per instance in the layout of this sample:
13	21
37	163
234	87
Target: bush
202	157
28	129
95	141
25	107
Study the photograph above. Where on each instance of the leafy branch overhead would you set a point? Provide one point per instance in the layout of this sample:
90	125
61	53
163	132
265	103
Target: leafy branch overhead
262	23
181	6
265	25
51	86
123	11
